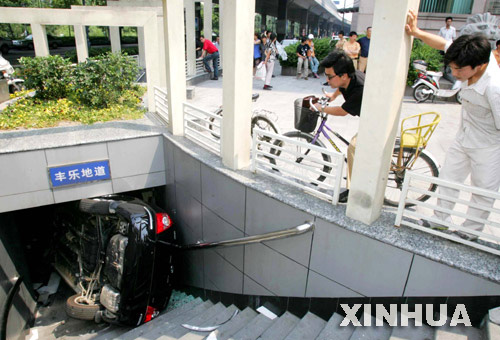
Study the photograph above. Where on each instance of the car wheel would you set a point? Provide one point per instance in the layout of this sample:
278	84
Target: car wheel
54	46
4	49
78	309
31	46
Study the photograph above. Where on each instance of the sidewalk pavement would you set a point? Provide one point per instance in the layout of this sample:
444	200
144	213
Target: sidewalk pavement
208	96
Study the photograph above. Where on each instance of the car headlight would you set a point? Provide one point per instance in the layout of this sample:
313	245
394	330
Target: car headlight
110	298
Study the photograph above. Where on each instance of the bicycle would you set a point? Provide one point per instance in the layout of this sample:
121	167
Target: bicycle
261	118
407	155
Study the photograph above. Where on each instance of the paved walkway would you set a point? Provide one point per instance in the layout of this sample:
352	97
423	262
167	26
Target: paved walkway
208	95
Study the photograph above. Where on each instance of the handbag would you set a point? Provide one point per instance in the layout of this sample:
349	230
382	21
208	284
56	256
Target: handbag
261	72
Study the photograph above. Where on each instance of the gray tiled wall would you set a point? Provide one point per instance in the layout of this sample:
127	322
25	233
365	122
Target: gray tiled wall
331	262
134	164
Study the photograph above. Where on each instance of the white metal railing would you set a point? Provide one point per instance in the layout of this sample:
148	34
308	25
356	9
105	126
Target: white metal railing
200	68
161	103
492	241
276	156
203	127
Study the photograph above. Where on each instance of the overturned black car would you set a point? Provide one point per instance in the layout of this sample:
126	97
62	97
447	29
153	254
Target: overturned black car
110	252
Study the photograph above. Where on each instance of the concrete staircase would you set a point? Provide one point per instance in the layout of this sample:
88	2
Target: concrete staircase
248	325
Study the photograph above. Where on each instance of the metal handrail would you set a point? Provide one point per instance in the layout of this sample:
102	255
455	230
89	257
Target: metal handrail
298	230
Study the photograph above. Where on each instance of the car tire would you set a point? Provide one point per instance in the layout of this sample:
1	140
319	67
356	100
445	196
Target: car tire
78	310
31	46
97	207
4	49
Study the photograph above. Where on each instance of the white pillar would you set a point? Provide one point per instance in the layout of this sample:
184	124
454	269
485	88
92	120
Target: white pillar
207	19
40	40
173	18
237	82
140	44
190	37
162	69
152	60
380	110
82	49
114	37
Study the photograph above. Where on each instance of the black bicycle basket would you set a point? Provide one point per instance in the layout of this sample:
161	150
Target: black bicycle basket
305	118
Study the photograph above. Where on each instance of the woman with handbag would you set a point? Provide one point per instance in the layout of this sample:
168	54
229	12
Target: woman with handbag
271	55
352	48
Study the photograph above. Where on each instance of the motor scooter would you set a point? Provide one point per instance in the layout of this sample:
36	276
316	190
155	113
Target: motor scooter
7	72
427	84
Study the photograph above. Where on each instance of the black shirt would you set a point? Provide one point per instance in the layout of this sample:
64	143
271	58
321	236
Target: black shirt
353	94
302	49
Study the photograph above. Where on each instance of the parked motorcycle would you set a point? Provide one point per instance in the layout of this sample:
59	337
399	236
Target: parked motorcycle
7	72
427	84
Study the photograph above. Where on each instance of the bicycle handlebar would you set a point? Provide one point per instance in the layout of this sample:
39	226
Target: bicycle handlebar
323	101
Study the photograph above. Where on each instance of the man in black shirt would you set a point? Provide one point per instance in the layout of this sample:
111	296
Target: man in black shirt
340	74
302	58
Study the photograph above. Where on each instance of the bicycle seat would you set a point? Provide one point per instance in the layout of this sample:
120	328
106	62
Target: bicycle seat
255	96
418	136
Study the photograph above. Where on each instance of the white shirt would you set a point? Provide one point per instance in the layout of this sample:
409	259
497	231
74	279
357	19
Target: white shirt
480	125
448	33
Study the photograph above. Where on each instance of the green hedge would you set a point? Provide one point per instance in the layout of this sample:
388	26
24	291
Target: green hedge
420	51
321	48
98	51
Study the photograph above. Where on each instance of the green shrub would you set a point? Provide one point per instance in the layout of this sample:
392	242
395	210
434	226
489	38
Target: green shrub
49	76
101	80
99	51
321	47
421	51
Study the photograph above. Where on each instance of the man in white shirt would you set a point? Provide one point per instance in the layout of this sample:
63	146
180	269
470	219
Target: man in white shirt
448	32
476	149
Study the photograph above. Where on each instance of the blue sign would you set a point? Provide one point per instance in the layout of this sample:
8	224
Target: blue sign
79	173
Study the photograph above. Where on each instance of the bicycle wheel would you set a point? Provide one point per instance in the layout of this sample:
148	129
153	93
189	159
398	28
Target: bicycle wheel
213	127
310	167
423	165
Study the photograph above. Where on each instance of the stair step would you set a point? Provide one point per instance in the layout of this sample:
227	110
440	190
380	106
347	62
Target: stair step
254	328
113	333
178	331
308	327
169	325
136	332
459	332
281	327
214	321
492	330
411	332
373	332
333	330
227	330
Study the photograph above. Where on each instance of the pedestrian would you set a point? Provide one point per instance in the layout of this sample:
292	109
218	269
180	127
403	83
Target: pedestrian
271	53
312	56
217	43
340	43
364	42
302	58
352	48
449	33
210	52
476	148
496	53
341	75
257	51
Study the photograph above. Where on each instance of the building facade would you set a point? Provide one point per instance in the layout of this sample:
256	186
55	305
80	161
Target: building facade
432	13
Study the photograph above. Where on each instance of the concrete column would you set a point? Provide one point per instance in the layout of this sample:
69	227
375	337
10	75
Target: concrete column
207	19
381	107
162	69
173	20
237	82
190	37
82	49
140	44
152	56
40	40
114	37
